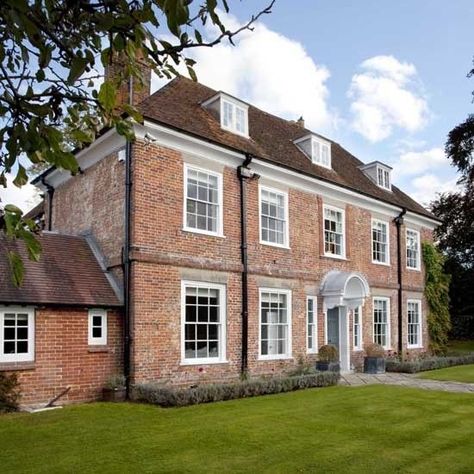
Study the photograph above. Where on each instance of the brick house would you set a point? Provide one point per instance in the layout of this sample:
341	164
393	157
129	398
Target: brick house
223	240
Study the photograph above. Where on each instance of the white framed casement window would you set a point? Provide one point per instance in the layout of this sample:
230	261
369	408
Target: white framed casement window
234	116
357	328
273	207
383	178
311	324
321	153
17	334
380	242
381	313
334	232
203	201
203	323
413	249
275	324
414	324
97	327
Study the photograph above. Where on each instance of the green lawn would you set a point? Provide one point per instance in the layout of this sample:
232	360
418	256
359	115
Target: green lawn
460	347
338	429
459	373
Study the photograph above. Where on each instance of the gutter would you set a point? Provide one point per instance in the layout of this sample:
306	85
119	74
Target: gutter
244	174
399	223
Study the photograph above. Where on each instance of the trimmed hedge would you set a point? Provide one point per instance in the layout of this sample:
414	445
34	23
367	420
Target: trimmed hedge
167	396
430	363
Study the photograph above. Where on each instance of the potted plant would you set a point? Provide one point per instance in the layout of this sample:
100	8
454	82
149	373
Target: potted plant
115	389
328	359
374	361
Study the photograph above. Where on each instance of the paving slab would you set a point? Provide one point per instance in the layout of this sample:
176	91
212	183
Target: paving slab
406	380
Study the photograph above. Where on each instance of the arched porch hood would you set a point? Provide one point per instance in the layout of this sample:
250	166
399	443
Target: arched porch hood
344	289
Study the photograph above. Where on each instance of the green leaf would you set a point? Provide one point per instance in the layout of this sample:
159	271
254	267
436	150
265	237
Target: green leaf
78	67
12	209
107	95
33	245
17	268
21	177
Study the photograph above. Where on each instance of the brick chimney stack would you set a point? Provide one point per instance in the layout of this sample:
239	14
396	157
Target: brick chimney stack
300	122
140	90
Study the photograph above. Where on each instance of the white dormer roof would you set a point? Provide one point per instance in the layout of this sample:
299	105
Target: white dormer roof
316	149
232	113
379	173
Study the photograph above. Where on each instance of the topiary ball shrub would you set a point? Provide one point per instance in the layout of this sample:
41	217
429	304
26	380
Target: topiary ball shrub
9	392
374	350
328	353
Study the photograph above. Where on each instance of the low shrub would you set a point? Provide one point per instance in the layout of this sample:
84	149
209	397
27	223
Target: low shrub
9	392
328	353
374	350
429	363
167	396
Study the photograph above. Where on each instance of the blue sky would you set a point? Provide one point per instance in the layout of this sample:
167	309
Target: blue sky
386	79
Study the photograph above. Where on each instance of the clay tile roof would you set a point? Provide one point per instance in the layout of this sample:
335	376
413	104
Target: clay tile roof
67	274
178	105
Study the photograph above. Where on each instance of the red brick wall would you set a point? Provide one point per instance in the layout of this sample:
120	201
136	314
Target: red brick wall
64	359
94	202
165	254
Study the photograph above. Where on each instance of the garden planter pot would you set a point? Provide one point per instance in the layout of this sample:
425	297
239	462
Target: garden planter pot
374	365
328	366
114	394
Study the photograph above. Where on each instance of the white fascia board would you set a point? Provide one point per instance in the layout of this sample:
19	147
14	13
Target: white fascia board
106	144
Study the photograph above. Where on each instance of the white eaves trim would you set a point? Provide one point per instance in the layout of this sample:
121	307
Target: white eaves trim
105	145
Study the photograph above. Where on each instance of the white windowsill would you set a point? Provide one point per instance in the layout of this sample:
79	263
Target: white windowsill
271	244
357	349
203	232
381	263
414	269
312	352
414	347
278	357
204	362
337	257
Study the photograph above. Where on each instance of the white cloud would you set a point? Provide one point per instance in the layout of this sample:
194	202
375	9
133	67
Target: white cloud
25	197
425	188
385	96
417	162
268	70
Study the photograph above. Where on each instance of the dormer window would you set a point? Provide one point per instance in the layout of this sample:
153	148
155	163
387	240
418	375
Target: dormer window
383	178
232	113
379	173
317	149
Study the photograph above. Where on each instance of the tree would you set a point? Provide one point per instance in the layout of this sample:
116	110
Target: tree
51	56
456	233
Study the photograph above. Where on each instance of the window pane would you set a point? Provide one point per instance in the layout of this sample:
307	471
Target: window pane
273	217
274	323
96	332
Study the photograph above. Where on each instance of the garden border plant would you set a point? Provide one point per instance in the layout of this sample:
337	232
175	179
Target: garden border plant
429	363
9	392
167	396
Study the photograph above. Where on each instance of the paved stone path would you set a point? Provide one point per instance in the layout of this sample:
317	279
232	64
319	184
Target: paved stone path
406	380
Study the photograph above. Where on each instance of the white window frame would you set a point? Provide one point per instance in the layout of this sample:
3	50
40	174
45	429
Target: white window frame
314	348
289	323
418	250
387	252
27	356
286	234
419	345
359	346
222	318
389	326
235	105
220	201
97	341
336	209
317	157
386	182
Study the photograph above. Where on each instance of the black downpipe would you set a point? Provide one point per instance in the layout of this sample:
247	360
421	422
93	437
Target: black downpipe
127	266
399	222
244	174
50	190
127	262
